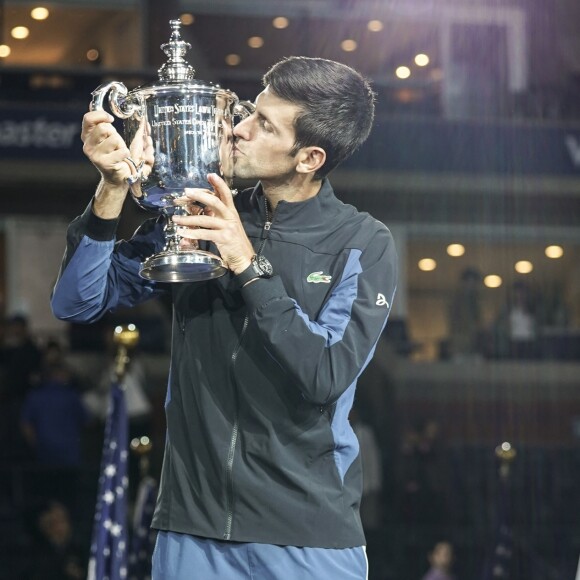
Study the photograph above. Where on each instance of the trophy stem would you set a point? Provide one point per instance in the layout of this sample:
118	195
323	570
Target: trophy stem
172	238
174	264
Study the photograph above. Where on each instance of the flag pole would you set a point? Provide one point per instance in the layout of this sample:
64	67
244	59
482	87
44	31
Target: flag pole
108	556
126	338
143	537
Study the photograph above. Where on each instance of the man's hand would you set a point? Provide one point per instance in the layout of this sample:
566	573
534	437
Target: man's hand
105	148
108	152
220	223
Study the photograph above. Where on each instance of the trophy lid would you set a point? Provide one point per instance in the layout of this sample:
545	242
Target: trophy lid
176	68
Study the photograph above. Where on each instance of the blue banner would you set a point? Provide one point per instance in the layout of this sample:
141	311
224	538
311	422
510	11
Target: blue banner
481	148
41	134
398	144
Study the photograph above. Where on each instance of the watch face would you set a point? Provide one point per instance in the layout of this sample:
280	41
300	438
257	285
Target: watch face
265	266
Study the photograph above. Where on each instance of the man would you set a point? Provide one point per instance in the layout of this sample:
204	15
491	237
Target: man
262	475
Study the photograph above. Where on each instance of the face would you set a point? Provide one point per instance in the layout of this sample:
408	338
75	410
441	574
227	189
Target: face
264	141
55	524
442	555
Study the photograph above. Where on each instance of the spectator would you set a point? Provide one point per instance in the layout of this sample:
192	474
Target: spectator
553	311
52	422
139	408
371	509
517	326
20	357
20	361
440	559
53	354
57	555
423	473
53	417
464	315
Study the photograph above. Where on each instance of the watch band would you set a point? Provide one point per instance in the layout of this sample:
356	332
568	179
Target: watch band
246	275
259	267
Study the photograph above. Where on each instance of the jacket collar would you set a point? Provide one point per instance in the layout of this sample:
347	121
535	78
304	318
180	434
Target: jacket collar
310	212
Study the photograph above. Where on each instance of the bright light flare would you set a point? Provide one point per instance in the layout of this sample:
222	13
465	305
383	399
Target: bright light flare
375	25
422	60
455	250
523	267
427	264
280	22
20	32
233	59
5	50
493	281
554	252
39	13
187	19
255	42
403	72
348	45
93	54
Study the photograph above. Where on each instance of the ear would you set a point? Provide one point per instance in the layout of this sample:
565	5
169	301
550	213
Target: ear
310	159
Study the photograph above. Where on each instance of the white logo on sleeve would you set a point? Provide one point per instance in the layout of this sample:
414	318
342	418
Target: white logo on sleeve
381	300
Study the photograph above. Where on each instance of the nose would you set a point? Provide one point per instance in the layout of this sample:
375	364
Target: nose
242	129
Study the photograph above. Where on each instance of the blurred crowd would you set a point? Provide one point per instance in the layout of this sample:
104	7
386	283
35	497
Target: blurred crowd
52	418
428	506
530	324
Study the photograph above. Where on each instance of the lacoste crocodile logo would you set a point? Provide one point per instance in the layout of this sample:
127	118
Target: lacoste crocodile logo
318	278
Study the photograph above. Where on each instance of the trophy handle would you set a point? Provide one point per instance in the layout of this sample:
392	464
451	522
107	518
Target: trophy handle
243	109
121	106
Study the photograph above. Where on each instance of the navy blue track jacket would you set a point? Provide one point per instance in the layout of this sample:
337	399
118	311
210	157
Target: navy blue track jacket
259	447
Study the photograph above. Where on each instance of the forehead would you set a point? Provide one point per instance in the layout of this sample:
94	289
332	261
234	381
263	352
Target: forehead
278	111
442	548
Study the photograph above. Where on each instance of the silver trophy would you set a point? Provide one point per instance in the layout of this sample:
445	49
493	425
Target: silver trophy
189	125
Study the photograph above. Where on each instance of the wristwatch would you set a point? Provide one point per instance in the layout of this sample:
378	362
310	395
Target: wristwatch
259	267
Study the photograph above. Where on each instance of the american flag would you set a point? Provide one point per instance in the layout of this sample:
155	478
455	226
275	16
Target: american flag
143	538
108	560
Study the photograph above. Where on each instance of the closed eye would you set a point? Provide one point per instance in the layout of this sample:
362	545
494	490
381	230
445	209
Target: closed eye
264	123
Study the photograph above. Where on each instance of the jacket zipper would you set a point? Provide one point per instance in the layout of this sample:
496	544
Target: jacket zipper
233	442
267	225
235	428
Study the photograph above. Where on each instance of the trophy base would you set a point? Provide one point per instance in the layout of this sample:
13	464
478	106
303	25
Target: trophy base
186	266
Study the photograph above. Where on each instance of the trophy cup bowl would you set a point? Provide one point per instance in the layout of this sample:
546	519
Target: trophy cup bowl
189	126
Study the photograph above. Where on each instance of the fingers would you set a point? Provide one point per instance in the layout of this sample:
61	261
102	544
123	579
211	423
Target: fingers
207	198
101	134
109	157
220	223
148	152
107	150
222	189
199	221
95	119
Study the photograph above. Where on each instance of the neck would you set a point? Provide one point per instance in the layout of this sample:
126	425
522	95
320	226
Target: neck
297	188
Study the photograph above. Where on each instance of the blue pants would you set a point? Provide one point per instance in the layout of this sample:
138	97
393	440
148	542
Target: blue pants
184	557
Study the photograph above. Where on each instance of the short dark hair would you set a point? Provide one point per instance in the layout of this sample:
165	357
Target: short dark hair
337	105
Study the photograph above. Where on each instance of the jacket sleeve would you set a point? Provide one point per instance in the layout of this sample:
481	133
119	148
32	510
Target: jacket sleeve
98	275
325	356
